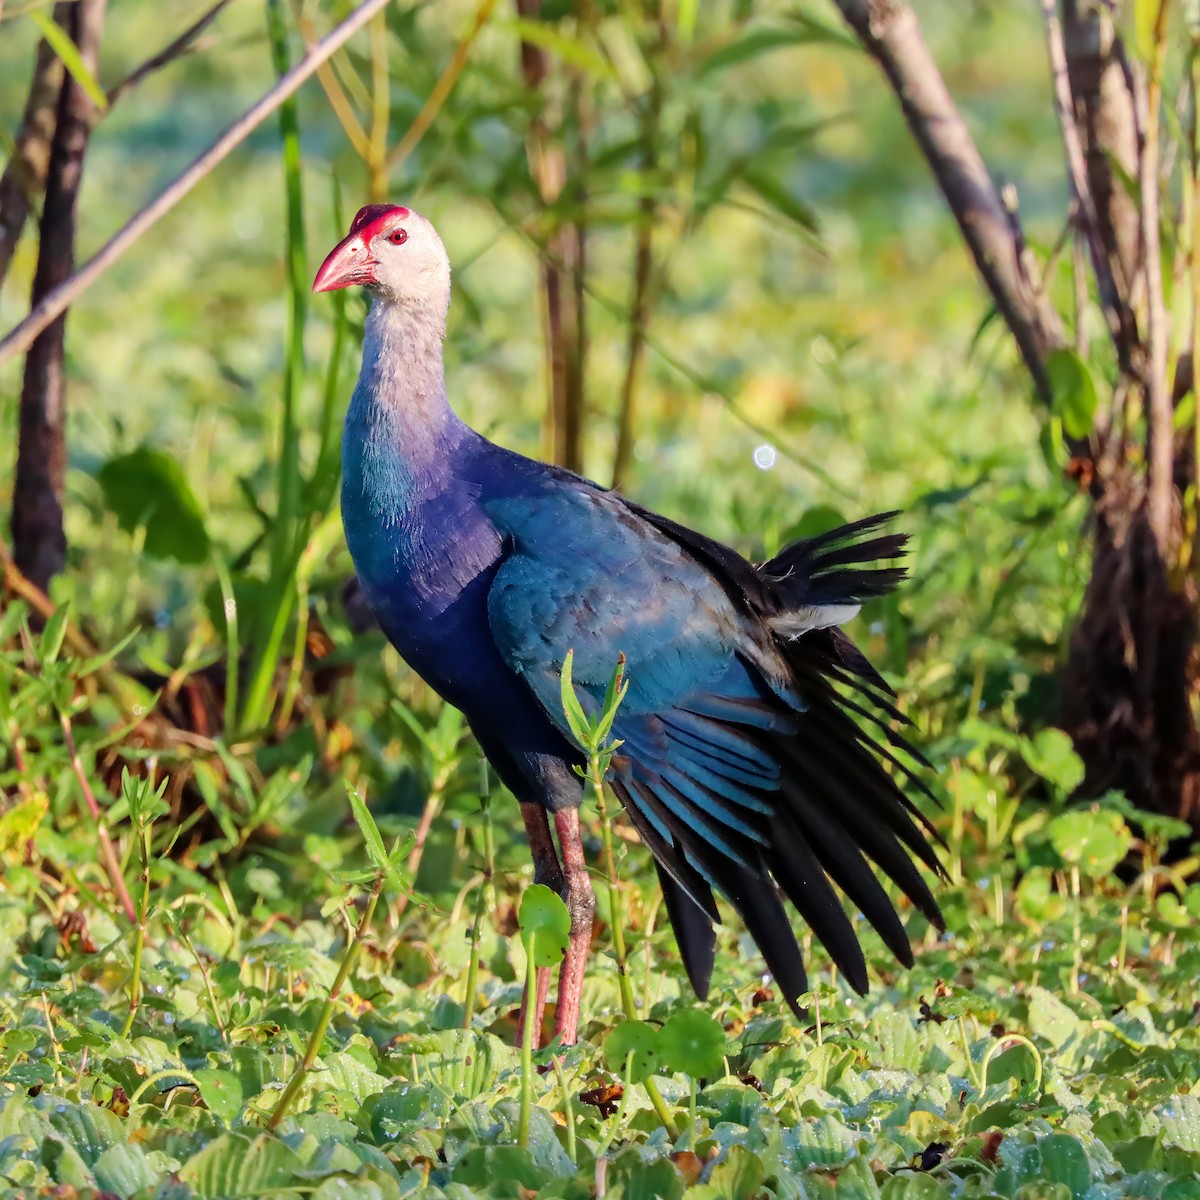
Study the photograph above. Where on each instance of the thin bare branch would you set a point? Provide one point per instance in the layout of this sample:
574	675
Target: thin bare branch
181	45
1116	310
889	31
46	310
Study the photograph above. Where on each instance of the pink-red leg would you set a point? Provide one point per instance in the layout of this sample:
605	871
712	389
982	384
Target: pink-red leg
580	900
548	871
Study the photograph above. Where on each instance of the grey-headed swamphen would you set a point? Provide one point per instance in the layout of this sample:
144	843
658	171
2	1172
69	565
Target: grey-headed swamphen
753	733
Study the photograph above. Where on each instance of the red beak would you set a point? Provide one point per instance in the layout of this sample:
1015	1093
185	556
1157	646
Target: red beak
349	263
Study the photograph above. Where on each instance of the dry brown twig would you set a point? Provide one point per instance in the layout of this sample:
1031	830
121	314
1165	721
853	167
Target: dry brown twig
107	850
185	43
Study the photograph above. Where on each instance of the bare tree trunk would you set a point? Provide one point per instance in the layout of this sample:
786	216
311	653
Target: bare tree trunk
1131	672
24	178
39	541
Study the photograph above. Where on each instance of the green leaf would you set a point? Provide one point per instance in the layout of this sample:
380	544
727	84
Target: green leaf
572	50
692	1042
234	1166
1180	1123
147	487
372	838
738	1176
545	925
62	45
52	635
1051	754
397	1110
124	1169
221	1091
618	686
1064	1161
776	196
1051	1019
910	1185
500	1171
1094	841
640	1040
12	617
577	720
821	518
631	1177
824	1141
1073	391
856	1181
752	44
89	1129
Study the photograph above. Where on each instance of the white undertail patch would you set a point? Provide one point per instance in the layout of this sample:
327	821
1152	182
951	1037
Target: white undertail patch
798	621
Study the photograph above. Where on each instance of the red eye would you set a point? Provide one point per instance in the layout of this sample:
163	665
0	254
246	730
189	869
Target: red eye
398	237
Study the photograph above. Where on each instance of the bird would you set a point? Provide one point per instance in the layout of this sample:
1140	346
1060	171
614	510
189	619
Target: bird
759	756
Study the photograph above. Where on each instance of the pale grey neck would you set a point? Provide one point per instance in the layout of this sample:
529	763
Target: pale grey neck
401	393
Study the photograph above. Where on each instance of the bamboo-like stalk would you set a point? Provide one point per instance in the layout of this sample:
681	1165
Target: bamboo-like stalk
643	263
313	1049
139	935
481	898
562	265
380	109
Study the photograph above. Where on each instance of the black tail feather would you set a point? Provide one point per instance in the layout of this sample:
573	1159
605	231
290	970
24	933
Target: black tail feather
824	569
700	786
694	933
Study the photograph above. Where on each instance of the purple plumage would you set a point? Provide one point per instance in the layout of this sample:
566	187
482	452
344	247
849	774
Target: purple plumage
742	766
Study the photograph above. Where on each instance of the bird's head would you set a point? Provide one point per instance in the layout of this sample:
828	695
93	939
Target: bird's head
393	251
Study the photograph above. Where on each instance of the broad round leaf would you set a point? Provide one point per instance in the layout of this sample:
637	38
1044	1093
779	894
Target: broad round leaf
148	487
1092	841
692	1042
1052	755
221	1092
640	1040
545	922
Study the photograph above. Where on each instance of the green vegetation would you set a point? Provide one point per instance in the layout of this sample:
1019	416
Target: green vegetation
265	921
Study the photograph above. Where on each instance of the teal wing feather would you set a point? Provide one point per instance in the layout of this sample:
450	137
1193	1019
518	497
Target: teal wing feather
715	769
